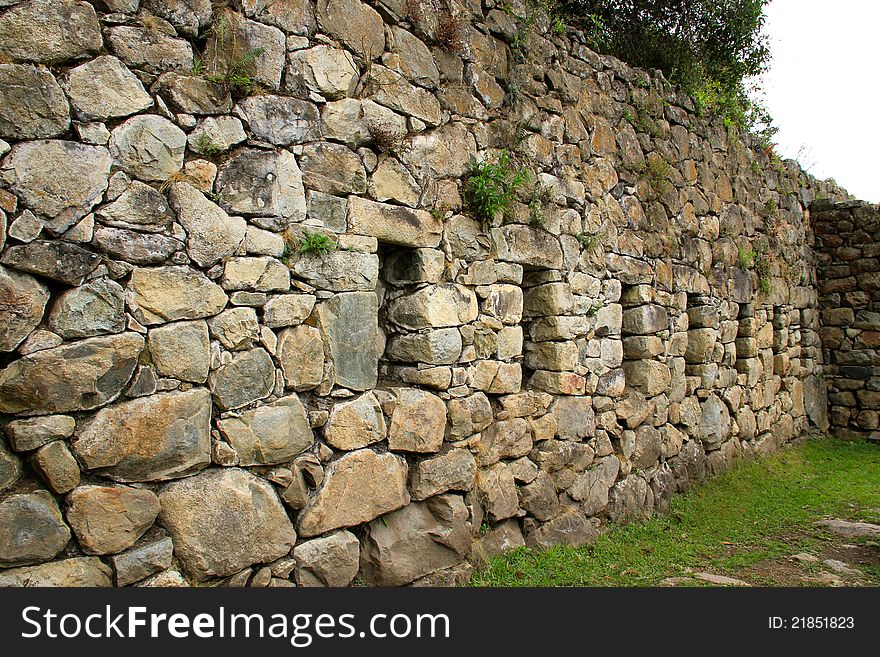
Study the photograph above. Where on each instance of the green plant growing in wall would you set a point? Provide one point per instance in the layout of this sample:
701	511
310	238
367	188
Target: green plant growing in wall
656	171
746	258
229	62
492	185
589	241
539	203
205	146
595	308
315	243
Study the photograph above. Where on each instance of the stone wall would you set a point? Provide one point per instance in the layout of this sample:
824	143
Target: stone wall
849	280
188	396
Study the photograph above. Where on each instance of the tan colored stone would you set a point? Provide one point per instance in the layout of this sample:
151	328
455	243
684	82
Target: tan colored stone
418	422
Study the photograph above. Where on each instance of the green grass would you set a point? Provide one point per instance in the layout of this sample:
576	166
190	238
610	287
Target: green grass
758	511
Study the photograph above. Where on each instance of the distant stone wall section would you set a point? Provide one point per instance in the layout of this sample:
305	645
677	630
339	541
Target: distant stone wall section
849	286
188	399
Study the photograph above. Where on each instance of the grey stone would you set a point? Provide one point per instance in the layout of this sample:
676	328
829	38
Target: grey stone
135	247
142	561
49	31
349	325
417	540
332	560
389	88
110	519
591	488
503	537
31	529
264	184
26	227
280	120
849	529
194	95
434	306
301	355
648	447
104	88
393	224
181	350
248	377
469	415
55	176
213	234
32	103
339	271
92	309
455	470
645	320
163	436
263	242
214	135
570	527
287	310
236	328
166	294
187	16
333	169
358	487
10	467
538	498
262	274
355	424
439	347
356	25
628	500
355	122
148	147
527	246
197	512
140	207
56	466
418	421
150	51
715	421
60	261
650	377
274	433
76	377
497	491
323	70
414	59
78	572
29	434
22	303
292	16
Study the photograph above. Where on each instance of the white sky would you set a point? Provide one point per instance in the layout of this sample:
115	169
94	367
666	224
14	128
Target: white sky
823	88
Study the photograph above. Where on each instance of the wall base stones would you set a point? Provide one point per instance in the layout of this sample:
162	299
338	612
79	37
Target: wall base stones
252	332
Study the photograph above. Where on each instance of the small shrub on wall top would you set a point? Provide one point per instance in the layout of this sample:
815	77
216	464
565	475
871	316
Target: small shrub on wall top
493	184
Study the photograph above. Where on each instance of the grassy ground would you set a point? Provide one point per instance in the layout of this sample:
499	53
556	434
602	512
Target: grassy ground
747	523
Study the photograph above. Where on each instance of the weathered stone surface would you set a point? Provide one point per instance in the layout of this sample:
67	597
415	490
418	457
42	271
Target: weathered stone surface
31	529
349	325
142	561
236	328
358	487
167	294
188	16
645	320
135	247
163	436
265	184
469	415
455	470
504	302
212	234
393	224
22	302
49	31
497	378
52	176
280	120
104	88
32	103
414	59
224	520
193	94
527	246
628	500
850	529
181	350
323	70
91	309
216	134
332	169
340	271
570	527
440	347
60	261
419	539
301	355
355	424
650	377
249	376
110	519
262	274
10	467
816	402
287	310
387	87
79	571
148	147
31	433
418	421
332	560
504	439
149	51
434	306
355	24
715	421
354	122
497	491
292	16
273	433
56	466
140	207
647	447
74	377
591	488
